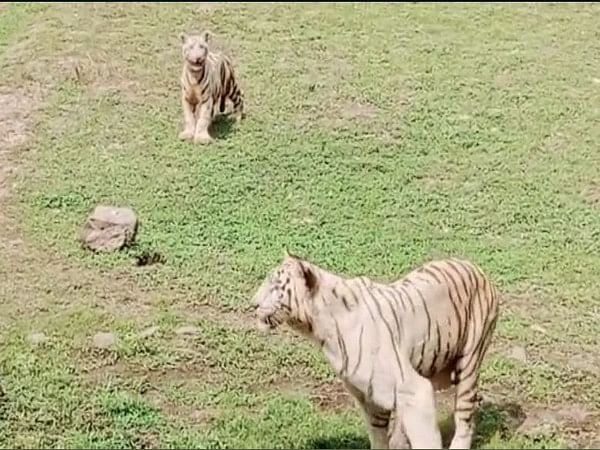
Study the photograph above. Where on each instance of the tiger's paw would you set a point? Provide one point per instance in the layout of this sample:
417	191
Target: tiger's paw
186	135
203	138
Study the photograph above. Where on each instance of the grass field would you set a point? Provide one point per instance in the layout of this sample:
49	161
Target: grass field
376	137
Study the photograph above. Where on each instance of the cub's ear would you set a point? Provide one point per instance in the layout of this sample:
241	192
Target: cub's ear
288	255
312	283
207	36
293	256
182	37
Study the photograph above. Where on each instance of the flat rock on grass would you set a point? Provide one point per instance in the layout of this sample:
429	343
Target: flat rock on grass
104	340
109	228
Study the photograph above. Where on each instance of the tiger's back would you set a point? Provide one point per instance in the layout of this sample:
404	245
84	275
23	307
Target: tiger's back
453	308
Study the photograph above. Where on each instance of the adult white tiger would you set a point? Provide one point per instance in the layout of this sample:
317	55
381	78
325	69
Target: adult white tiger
393	344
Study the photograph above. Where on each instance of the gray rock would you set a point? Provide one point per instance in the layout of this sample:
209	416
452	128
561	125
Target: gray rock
37	338
109	228
187	330
149	332
104	340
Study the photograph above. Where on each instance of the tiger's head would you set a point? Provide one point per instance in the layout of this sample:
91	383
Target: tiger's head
284	295
195	48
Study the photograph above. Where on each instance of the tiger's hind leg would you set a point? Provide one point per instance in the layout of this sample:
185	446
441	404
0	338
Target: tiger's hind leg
466	400
237	99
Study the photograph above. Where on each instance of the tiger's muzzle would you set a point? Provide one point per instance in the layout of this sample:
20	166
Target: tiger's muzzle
266	320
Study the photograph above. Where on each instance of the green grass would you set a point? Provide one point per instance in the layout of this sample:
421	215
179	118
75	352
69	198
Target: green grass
376	137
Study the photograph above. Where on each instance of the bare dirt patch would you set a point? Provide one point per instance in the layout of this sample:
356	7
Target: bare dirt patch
331	396
591	194
574	420
153	385
16	109
344	112
357	110
100	76
194	309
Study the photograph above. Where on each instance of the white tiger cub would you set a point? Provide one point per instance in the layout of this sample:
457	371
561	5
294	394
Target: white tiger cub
207	81
393	344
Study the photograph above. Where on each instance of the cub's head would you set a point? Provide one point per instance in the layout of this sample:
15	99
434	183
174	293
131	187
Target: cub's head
194	48
283	295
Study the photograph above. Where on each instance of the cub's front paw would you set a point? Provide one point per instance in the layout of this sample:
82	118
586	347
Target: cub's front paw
203	138
186	135
238	117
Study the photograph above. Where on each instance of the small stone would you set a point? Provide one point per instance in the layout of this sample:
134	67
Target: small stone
583	363
518	353
538	329
187	330
149	332
37	338
16	242
104	340
109	228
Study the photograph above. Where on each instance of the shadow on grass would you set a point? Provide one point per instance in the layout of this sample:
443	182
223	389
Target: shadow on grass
491	419
342	441
222	126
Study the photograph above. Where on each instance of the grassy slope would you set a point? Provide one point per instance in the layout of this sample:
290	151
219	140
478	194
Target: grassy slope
376	137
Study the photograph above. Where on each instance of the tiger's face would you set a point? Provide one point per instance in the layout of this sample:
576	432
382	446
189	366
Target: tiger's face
194	48
282	292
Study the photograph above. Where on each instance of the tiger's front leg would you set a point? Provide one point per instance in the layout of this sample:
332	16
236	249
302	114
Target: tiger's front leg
188	119
377	422
376	419
415	407
396	432
205	115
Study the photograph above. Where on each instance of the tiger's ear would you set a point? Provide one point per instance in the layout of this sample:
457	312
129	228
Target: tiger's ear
288	255
207	36
182	37
310	279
